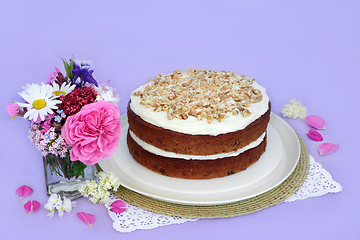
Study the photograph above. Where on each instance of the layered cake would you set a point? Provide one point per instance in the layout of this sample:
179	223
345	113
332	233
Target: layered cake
198	124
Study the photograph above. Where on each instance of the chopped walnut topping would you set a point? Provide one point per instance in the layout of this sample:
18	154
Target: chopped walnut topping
200	93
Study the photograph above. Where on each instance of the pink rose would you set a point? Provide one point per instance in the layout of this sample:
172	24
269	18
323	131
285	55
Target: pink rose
93	132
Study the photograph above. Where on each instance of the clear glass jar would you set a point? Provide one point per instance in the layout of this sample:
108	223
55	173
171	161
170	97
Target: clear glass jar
64	177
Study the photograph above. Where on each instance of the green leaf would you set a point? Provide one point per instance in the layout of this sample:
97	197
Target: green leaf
71	67
66	66
80	167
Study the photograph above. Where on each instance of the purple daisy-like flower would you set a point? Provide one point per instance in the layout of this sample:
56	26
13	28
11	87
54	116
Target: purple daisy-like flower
82	70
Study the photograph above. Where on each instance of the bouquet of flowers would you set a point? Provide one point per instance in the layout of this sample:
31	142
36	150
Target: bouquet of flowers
73	121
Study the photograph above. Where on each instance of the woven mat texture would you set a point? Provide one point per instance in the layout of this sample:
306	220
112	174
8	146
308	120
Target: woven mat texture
243	207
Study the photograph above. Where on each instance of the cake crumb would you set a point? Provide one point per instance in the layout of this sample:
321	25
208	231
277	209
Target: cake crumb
294	110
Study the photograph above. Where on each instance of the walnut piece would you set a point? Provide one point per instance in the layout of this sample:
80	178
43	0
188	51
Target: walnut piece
201	94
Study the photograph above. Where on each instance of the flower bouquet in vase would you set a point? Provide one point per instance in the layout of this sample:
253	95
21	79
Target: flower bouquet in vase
73	121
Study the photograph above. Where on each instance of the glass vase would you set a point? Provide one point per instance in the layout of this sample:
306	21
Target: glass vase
64	177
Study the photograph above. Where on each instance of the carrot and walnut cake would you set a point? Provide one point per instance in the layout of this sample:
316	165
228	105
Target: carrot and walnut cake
198	124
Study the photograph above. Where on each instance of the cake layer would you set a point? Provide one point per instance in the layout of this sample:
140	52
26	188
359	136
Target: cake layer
195	169
181	143
191	125
157	151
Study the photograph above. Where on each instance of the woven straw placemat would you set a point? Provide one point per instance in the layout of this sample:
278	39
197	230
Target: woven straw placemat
243	207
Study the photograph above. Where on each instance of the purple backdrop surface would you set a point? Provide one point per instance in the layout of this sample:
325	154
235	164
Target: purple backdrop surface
308	50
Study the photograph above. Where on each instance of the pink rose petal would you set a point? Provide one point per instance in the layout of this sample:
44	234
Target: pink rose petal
32	206
118	207
87	218
119	204
24	191
326	148
315	135
316	121
118	210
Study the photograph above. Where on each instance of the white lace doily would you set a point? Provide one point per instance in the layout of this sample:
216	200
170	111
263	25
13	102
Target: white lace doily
318	182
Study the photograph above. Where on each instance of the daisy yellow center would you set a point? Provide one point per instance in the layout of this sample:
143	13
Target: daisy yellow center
39	104
58	93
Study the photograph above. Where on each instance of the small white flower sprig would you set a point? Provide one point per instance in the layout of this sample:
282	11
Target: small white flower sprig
61	204
294	110
99	192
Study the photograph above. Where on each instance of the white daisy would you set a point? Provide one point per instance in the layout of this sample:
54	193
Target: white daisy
64	89
39	101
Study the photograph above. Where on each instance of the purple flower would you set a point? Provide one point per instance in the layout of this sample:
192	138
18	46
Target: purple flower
82	70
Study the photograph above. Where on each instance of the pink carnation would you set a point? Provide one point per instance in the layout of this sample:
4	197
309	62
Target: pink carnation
93	132
12	109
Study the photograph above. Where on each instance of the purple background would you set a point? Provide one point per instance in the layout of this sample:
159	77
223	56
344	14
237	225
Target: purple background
308	50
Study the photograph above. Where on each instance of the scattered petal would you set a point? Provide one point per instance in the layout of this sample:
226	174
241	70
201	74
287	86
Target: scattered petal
32	206
24	191
326	148
315	135
118	207
87	218
316	121
50	214
118	210
119	204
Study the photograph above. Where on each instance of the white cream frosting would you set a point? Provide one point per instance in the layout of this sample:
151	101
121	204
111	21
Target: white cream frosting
160	152
195	127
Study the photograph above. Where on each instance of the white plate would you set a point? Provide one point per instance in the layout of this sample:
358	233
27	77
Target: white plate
274	166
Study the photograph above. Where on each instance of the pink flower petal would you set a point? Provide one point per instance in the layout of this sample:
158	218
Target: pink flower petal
24	191
326	148
316	121
119	204
315	135
87	218
118	210
31	207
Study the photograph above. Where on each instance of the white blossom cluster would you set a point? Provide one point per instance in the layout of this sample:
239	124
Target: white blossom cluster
56	202
99	192
294	110
108	94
